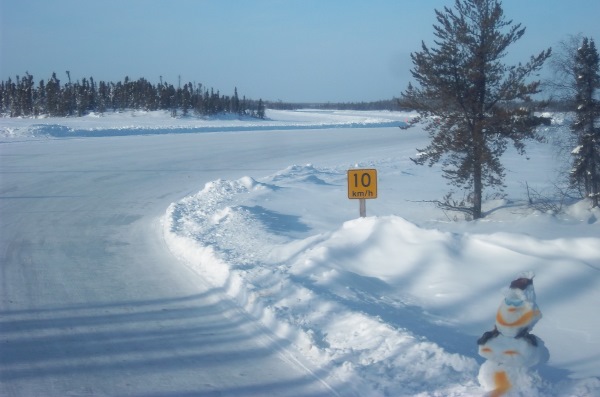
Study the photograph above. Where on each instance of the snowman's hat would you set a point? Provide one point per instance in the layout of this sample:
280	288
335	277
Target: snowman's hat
522	287
521	283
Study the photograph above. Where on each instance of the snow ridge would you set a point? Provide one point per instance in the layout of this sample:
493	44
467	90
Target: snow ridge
379	303
326	312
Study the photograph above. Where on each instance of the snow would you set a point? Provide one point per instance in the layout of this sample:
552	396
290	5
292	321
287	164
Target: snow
387	305
159	122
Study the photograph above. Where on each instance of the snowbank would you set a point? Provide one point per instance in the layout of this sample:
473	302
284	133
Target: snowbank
385	304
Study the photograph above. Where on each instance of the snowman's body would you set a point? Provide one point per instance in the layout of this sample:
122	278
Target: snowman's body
509	351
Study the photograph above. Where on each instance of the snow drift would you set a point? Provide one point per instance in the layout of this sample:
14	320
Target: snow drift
393	307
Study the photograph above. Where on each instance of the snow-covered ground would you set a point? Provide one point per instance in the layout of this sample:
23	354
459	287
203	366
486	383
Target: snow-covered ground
387	305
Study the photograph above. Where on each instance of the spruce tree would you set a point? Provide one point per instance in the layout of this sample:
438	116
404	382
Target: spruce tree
260	111
186	98
235	103
465	97
26	94
53	96
586	165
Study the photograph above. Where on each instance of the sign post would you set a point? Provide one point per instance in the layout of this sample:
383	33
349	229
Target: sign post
362	185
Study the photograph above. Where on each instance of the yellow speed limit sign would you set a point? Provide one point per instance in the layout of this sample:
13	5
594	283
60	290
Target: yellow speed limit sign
362	184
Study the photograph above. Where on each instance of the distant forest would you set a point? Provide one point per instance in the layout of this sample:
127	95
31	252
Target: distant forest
385	104
22	97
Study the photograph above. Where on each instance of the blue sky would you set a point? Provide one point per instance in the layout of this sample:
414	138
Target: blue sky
290	50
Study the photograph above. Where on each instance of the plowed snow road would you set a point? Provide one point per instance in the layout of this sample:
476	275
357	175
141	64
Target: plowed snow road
93	303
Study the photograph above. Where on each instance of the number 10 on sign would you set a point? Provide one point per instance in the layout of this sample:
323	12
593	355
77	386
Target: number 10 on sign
362	185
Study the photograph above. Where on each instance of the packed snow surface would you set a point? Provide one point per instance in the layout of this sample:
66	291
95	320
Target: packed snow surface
391	304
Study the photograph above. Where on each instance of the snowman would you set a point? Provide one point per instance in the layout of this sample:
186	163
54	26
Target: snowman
510	349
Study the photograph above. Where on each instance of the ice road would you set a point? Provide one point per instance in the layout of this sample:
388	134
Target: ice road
93	303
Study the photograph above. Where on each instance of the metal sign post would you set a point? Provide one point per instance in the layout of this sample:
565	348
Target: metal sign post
362	185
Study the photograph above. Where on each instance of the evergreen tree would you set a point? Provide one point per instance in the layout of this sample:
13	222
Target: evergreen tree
235	102
260	111
39	104
186	98
2	97
103	97
463	95
92	95
53	96
69	100
80	97
586	166
26	94
15	103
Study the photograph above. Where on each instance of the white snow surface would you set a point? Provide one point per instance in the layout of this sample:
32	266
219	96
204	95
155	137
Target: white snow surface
387	305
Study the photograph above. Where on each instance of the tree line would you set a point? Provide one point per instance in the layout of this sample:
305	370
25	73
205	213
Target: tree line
22	97
383	104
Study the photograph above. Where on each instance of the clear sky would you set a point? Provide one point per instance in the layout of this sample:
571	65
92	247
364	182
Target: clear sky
290	50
